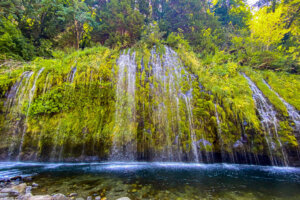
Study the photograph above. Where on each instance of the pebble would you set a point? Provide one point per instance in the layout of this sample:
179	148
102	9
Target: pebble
35	185
89	198
73	195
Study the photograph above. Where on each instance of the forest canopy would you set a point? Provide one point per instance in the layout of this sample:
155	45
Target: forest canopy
264	36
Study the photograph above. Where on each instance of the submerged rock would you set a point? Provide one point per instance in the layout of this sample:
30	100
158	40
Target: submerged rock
73	195
59	197
20	188
123	198
40	197
3	195
25	197
10	191
35	185
97	198
28	189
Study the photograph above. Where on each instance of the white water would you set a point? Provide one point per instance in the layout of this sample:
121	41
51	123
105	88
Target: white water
124	147
30	97
269	122
293	113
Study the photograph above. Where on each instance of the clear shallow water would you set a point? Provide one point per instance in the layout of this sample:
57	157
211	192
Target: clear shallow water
142	180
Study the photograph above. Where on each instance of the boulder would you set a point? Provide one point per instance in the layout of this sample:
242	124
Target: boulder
3	195
10	191
21	188
25	197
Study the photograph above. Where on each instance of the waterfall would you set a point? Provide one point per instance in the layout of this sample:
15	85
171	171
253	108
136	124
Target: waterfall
14	97
169	76
293	113
269	122
72	74
124	147
30	97
219	132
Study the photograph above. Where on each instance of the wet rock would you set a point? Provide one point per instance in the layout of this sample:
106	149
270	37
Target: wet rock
25	197
27	178
10	191
20	188
97	198
123	198
3	195
73	195
40	197
28	189
238	144
59	197
16	178
35	185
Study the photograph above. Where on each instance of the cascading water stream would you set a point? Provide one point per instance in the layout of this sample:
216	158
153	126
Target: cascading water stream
220	134
293	113
30	97
123	147
12	100
169	77
269	122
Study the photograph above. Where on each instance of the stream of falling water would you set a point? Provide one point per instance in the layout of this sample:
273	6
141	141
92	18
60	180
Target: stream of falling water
124	137
293	113
14	97
220	134
169	76
269	122
30	97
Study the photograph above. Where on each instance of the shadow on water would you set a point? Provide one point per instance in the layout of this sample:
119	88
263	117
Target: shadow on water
142	180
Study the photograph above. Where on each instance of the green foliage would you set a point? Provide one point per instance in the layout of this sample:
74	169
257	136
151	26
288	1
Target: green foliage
12	43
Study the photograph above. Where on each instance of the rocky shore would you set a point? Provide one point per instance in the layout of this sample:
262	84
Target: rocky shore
16	188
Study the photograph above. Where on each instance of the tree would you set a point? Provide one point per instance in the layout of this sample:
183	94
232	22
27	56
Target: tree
268	27
79	16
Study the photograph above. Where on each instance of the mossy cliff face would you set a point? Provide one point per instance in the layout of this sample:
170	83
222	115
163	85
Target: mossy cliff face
146	104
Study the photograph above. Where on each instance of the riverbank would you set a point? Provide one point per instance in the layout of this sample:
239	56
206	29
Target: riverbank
20	188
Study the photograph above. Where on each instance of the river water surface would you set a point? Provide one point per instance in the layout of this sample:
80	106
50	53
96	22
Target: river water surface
143	180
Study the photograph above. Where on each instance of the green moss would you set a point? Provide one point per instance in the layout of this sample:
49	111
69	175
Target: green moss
286	85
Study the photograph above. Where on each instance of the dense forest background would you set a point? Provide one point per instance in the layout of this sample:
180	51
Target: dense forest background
266	36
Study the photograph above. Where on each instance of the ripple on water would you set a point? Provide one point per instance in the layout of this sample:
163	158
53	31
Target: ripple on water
158	180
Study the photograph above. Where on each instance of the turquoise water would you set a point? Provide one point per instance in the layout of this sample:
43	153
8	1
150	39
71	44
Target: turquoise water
142	180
